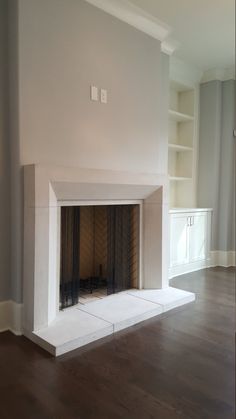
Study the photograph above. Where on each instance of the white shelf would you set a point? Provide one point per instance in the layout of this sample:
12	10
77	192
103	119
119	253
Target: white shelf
183	117
179	178
182	210
178	147
180	117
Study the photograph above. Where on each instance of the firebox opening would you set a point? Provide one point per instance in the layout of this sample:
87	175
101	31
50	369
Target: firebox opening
99	251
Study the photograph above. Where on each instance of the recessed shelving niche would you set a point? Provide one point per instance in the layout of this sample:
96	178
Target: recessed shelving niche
182	144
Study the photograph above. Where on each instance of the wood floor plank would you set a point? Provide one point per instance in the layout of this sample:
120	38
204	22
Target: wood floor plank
179	365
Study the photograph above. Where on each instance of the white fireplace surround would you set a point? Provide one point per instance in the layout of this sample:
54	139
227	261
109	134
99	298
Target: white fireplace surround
46	189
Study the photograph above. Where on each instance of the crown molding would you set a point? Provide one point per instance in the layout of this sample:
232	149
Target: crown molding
221	74
169	46
139	19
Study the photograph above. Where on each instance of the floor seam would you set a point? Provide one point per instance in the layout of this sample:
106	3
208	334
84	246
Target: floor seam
97	317
145	299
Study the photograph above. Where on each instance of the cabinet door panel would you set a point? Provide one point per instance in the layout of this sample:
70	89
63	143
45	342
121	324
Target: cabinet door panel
179	240
198	238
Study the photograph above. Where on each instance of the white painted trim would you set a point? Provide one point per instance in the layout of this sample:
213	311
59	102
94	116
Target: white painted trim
11	317
4	316
188	267
169	46
40	207
221	258
221	74
139	19
73	203
189	210
217	258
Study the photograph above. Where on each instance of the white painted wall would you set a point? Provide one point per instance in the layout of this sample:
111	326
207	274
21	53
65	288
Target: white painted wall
64	47
61	48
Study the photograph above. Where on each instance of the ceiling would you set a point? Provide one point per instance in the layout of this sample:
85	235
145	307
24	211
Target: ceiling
205	29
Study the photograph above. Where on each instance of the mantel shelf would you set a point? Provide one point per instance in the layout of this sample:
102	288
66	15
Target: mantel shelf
178	147
180	117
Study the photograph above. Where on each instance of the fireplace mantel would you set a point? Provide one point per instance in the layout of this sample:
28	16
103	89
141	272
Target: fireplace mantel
45	190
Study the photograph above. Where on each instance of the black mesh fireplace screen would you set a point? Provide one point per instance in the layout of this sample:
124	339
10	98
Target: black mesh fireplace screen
119	248
70	240
99	247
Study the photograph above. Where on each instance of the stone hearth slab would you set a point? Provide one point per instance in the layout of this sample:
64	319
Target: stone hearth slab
168	298
72	329
123	310
83	324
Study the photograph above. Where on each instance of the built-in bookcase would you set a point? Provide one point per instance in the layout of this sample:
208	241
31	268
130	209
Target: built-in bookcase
182	145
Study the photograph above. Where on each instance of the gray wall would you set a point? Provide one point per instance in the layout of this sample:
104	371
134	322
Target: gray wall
58	49
64	47
216	188
4	160
227	174
16	170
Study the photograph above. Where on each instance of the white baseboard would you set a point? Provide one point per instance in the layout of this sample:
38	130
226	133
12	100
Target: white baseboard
4	315
11	317
217	258
221	258
187	268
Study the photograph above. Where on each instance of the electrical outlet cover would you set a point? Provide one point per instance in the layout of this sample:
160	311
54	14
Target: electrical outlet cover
103	96
94	93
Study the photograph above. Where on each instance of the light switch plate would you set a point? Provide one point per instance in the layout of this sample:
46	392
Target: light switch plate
94	93
103	96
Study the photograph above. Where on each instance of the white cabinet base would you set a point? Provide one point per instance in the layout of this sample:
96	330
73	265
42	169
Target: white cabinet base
189	267
190	237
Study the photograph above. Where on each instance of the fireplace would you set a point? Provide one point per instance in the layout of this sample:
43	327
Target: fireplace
99	251
47	189
68	202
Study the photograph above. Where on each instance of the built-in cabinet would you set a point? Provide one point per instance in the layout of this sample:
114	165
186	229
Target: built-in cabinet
190	227
190	237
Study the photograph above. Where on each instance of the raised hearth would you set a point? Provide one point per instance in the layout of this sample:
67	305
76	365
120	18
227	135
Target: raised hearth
83	324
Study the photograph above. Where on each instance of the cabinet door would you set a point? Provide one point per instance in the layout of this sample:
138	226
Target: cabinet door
198	237
179	240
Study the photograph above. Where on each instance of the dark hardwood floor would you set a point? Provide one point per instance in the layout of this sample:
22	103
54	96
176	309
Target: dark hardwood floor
178	366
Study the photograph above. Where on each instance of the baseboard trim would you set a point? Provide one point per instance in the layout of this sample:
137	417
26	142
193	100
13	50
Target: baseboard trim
11	317
217	258
221	258
187	268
